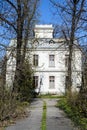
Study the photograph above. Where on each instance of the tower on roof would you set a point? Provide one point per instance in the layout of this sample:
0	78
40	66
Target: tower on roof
43	31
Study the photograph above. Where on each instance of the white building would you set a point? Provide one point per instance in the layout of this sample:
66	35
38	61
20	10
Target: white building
49	57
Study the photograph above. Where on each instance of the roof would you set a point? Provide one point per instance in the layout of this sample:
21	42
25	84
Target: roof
43	43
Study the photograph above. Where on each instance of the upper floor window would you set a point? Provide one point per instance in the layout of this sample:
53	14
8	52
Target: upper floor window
51	60
51	82
35	60
51	42
35	42
66	60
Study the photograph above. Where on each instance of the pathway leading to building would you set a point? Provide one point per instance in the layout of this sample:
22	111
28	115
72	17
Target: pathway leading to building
56	119
33	122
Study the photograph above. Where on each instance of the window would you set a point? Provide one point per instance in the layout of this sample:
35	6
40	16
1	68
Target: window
66	60
51	42
51	60
35	81
51	82
35	42
35	60
66	83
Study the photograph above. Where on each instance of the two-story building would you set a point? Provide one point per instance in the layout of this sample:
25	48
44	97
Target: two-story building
49	57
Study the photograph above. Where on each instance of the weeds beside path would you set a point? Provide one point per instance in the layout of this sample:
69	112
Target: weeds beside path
73	114
43	125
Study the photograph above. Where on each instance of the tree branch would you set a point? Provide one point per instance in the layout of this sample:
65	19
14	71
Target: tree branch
8	1
8	22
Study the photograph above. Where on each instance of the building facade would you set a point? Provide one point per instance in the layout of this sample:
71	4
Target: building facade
49	58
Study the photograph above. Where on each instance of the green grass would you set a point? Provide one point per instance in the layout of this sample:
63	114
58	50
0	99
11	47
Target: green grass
73	113
43	125
49	96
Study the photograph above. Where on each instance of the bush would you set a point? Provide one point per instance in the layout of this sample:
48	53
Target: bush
26	89
72	106
7	105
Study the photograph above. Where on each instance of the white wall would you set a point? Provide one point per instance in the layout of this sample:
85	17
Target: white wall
44	60
43	48
59	70
44	70
59	87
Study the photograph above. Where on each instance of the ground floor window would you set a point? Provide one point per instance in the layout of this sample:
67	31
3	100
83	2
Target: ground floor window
35	81
51	82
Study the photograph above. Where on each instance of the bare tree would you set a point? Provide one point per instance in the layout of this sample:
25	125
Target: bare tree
18	17
72	13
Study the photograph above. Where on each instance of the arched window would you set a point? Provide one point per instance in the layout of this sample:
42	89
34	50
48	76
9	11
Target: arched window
51	42
35	42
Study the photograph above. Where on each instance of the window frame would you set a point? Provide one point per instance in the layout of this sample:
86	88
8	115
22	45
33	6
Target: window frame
51	60
35	81
51	82
66	60
35	60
